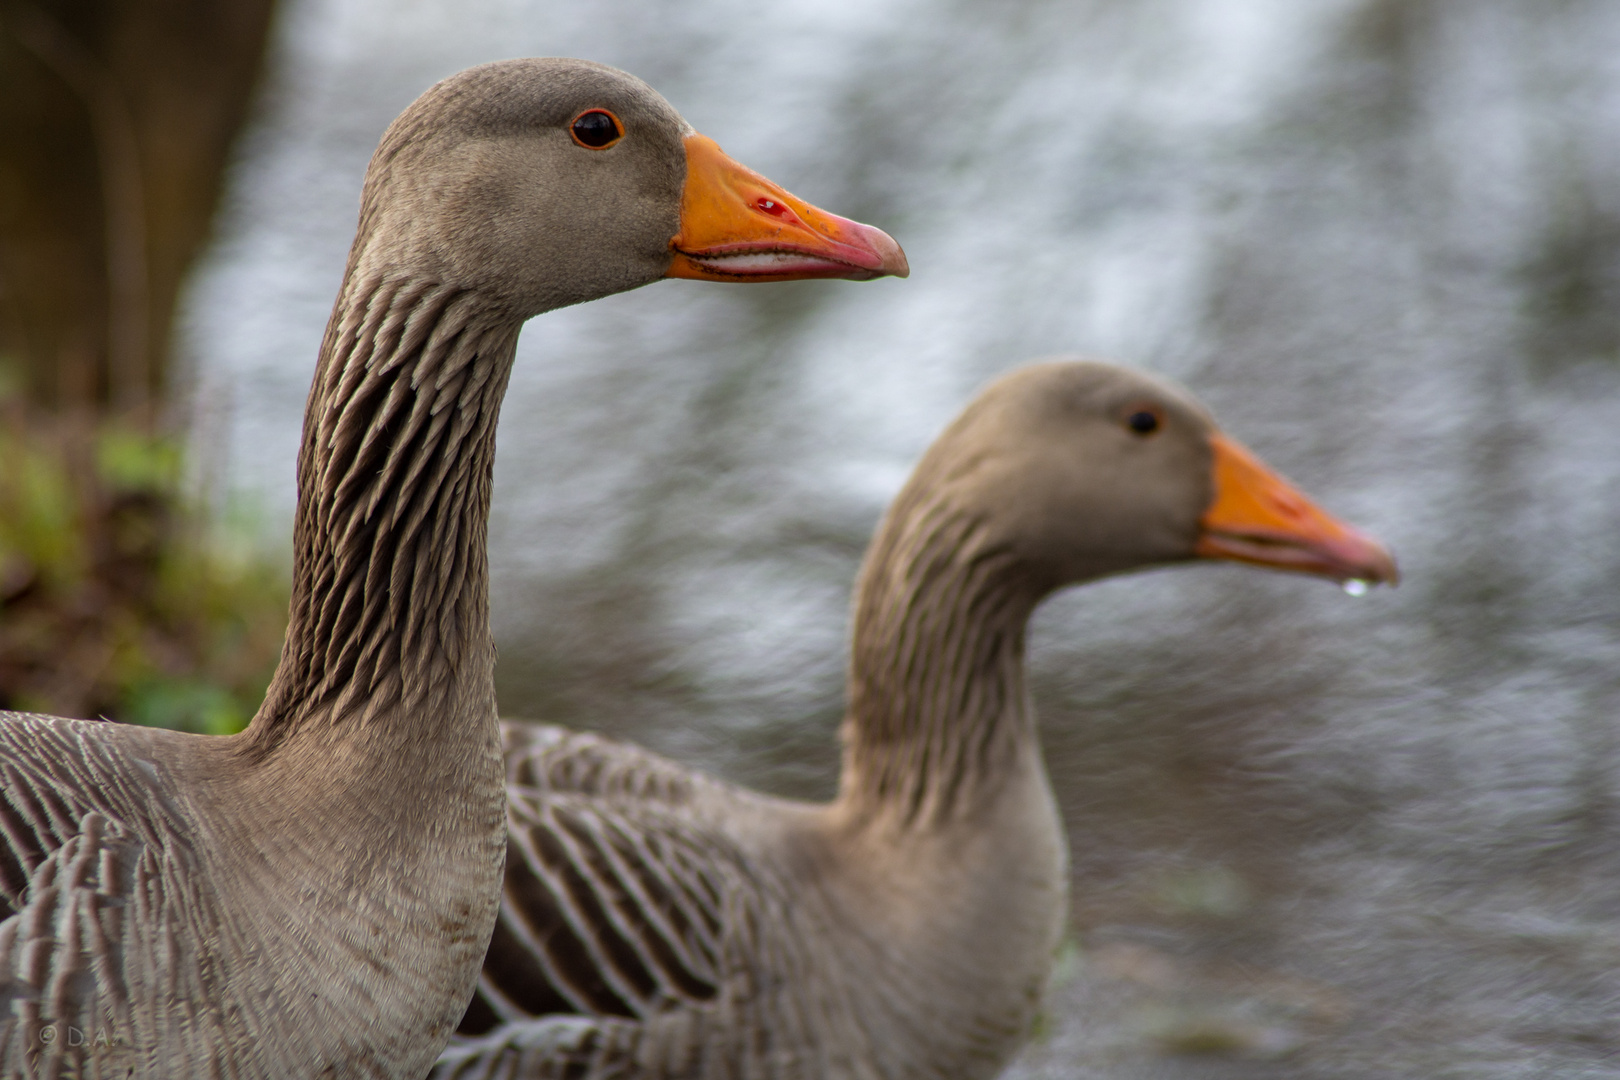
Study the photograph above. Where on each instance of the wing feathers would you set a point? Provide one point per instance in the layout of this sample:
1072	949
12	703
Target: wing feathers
617	907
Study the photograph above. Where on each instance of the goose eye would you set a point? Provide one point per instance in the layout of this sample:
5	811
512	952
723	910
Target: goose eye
596	129
1143	421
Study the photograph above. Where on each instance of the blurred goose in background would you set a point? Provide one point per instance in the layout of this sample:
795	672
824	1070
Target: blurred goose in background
314	896
657	922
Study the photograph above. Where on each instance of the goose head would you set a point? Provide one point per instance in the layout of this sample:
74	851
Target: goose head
545	182
1081	470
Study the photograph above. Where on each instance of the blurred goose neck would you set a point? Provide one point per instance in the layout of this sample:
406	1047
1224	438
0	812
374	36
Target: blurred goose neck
389	619
938	710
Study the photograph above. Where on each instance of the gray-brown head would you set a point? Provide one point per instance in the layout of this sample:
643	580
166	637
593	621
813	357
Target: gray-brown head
545	182
1083	469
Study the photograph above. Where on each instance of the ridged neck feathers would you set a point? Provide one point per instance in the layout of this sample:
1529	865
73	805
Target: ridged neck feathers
937	703
390	580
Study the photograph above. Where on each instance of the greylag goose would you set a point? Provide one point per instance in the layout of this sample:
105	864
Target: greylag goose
314	896
658	923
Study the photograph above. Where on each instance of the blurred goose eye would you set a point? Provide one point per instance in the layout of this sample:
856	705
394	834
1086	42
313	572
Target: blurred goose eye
1143	421
596	129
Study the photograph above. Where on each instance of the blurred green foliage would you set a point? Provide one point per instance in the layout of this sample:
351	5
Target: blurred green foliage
117	598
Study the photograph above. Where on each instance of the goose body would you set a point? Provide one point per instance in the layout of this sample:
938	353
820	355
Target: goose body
313	897
665	924
658	923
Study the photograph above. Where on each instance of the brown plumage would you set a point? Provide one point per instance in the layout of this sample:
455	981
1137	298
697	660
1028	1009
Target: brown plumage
658	923
314	896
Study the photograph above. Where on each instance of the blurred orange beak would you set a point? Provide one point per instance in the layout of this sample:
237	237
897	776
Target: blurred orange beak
738	226
1258	517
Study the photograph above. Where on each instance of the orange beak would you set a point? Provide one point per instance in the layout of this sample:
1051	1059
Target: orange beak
1258	517
738	226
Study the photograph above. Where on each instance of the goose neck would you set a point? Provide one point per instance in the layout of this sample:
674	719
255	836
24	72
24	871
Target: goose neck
388	629
938	711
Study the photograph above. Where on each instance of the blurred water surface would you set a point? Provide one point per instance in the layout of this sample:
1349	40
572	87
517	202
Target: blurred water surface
1313	836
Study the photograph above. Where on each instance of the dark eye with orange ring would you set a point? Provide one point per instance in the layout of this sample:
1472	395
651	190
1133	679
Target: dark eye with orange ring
1143	421
596	129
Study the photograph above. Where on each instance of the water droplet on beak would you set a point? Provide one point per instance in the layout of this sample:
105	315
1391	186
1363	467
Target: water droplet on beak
1356	587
